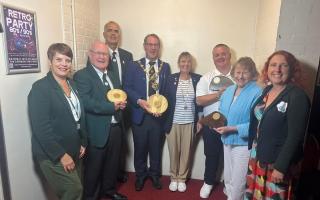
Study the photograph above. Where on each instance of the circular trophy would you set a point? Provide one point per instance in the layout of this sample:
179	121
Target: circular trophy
219	82
157	103
214	120
116	95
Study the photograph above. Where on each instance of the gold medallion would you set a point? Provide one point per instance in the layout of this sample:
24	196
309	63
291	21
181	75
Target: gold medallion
216	116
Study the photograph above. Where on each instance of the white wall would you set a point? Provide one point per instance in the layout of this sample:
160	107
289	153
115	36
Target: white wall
184	25
266	30
14	89
299	33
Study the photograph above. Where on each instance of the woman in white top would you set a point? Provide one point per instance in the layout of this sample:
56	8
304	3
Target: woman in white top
181	118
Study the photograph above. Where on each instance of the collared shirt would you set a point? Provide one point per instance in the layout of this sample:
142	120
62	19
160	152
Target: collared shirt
203	89
118	61
100	74
156	69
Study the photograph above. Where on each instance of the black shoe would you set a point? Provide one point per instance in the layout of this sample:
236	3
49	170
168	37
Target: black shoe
139	184
123	178
115	196
156	183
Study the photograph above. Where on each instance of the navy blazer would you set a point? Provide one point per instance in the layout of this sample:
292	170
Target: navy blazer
134	84
54	130
98	109
170	93
281	128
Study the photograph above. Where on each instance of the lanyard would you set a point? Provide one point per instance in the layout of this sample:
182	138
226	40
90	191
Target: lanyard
74	107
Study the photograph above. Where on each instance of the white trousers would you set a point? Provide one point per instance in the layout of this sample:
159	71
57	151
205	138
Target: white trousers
235	170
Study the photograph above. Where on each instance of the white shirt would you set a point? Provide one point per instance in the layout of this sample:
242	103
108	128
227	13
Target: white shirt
203	89
184	108
118	61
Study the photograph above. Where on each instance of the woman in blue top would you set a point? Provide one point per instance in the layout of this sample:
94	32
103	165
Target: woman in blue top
235	105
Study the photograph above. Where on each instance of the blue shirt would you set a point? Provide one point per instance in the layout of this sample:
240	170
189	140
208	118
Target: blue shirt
237	112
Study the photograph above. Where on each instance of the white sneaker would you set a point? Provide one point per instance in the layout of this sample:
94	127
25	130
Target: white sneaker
173	186
205	191
182	187
225	191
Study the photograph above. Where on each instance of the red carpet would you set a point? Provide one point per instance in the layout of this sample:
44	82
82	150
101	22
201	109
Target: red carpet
149	193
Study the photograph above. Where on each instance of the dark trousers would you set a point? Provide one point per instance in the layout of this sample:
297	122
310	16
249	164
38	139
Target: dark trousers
212	150
147	138
101	166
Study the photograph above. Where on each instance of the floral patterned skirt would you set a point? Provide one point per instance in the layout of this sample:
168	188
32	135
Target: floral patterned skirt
259	185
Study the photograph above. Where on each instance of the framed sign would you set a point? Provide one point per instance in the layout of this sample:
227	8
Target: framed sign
20	40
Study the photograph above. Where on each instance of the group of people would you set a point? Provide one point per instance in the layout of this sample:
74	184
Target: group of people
78	134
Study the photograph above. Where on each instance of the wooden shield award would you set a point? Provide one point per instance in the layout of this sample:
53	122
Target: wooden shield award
219	82
214	120
116	95
157	103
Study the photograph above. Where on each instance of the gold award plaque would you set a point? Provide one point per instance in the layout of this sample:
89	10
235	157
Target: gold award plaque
157	103
116	95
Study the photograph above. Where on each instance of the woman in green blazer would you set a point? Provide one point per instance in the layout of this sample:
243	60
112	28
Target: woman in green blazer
58	125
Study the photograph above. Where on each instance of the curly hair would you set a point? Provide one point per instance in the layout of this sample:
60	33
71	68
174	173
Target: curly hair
294	68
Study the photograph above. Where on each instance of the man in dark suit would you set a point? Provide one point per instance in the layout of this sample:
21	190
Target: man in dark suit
103	125
146	127
117	66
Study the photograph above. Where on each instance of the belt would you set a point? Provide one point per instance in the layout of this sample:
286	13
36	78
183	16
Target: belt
115	124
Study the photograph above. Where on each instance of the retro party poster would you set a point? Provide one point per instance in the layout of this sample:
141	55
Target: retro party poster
21	43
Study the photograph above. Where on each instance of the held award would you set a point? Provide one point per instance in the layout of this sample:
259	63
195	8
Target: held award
214	120
116	95
157	103
219	82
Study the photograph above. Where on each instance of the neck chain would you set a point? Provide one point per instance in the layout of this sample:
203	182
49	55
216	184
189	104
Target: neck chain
184	97
154	78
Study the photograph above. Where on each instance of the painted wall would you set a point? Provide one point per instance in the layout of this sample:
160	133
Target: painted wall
299	33
25	184
184	25
266	30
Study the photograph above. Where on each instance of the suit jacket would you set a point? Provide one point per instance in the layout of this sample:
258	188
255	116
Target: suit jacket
54	130
281	128
135	86
125	58
98	109
170	93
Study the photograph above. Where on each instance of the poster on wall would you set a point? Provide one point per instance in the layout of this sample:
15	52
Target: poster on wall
20	40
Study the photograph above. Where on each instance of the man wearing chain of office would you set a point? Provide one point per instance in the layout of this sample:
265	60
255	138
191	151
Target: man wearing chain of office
143	79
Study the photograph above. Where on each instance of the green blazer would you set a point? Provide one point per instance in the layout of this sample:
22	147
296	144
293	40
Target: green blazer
54	130
98	109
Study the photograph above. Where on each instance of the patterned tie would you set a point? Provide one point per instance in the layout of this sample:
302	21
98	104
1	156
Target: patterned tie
152	78
115	69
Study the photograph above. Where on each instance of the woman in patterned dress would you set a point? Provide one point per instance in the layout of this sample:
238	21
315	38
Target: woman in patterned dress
277	126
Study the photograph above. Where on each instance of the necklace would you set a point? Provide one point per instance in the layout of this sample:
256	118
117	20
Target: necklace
185	97
75	106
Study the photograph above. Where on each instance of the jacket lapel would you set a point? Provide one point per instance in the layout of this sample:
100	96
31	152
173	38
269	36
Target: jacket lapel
276	100
60	94
96	79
